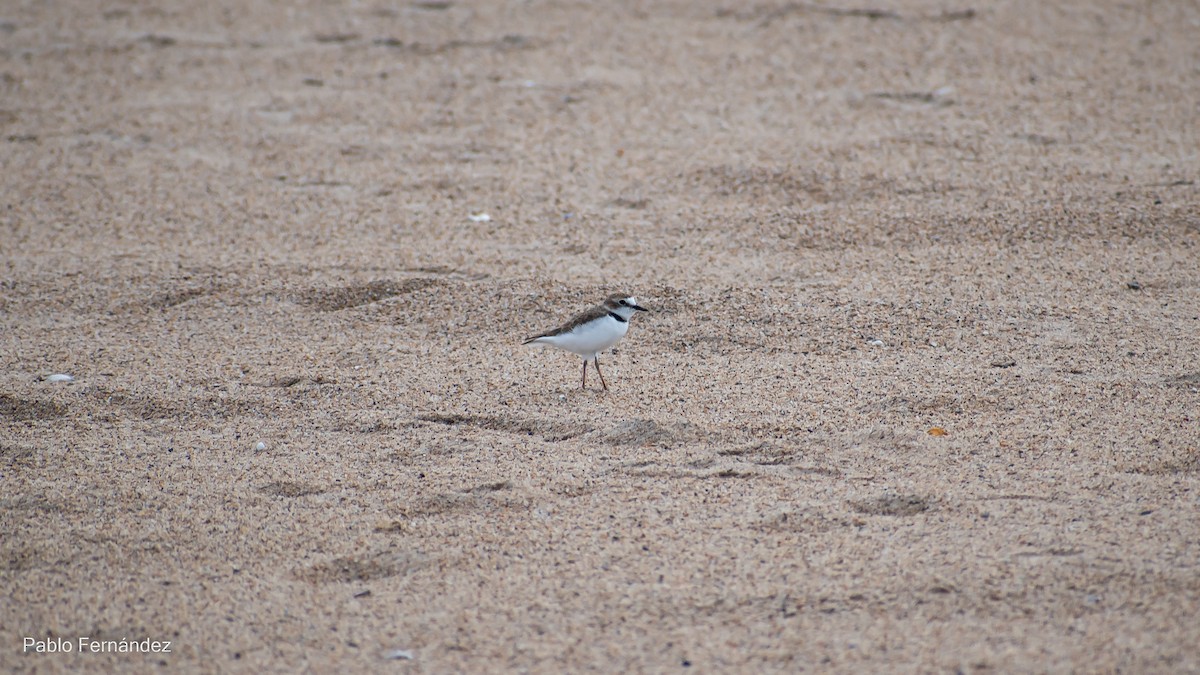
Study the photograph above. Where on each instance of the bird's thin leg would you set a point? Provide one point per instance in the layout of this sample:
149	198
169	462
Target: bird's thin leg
584	385
596	360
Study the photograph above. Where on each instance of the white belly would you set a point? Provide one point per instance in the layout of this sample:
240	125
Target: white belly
590	339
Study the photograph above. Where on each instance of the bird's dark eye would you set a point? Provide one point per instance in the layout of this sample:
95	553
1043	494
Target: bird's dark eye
623	303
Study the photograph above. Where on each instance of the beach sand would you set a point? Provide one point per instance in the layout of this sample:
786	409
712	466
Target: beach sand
918	390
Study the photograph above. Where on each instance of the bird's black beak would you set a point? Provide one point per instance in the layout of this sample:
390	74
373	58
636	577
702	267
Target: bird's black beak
639	308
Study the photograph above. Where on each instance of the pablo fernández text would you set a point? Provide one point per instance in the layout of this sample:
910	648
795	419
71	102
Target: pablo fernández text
87	645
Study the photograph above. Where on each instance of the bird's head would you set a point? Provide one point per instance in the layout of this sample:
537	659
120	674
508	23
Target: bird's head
622	304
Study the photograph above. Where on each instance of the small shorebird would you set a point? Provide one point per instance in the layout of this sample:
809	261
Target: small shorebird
591	332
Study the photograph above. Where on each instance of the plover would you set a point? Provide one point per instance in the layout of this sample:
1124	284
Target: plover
591	332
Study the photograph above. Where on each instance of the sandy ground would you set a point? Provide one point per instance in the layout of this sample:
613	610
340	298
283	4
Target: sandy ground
246	222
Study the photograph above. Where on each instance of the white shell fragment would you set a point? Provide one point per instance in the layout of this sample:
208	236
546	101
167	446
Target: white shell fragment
59	377
260	446
944	95
479	217
399	654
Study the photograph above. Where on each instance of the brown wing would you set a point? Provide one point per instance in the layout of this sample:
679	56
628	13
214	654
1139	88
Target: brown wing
580	318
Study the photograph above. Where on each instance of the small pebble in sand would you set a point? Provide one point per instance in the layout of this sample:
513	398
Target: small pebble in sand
399	654
260	446
875	342
943	95
59	377
479	217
